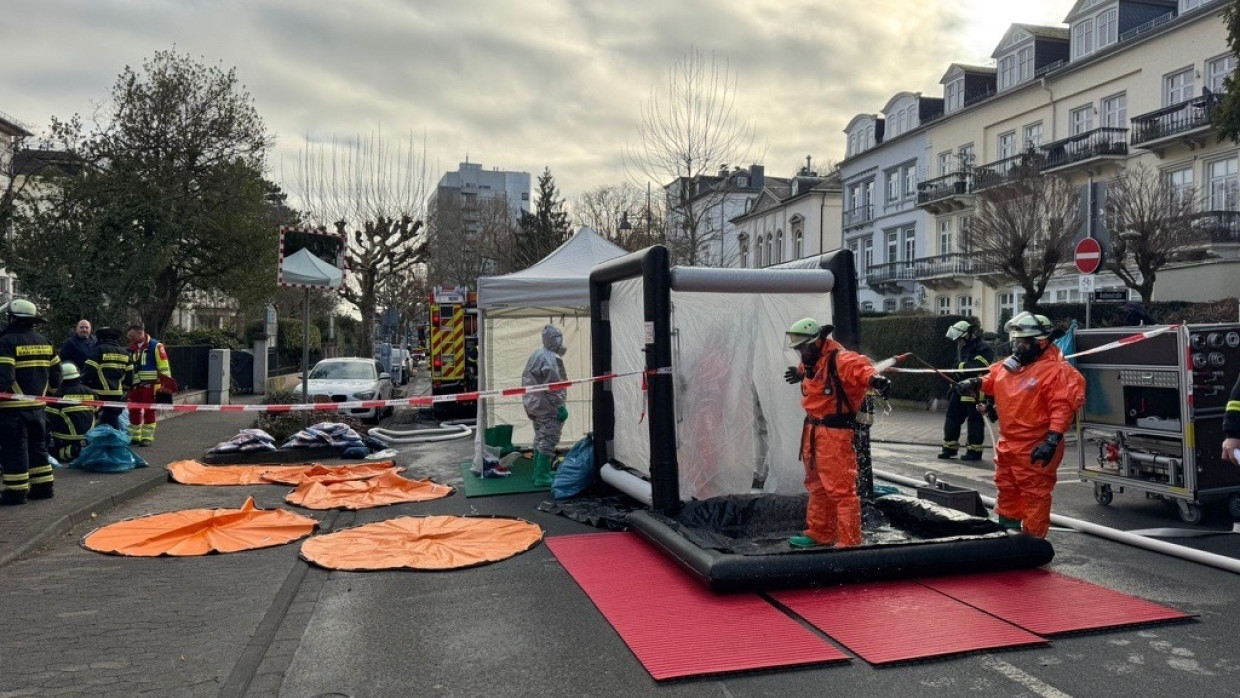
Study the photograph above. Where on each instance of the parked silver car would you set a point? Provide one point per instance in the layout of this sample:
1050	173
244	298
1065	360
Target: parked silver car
350	379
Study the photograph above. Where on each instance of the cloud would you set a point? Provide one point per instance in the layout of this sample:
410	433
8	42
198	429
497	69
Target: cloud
554	83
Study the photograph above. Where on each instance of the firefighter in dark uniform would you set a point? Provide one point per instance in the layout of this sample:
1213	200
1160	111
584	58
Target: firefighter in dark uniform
1231	425
971	352
109	373
69	423
28	366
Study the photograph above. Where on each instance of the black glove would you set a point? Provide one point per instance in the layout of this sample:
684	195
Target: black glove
1046	450
881	385
991	413
793	376
968	386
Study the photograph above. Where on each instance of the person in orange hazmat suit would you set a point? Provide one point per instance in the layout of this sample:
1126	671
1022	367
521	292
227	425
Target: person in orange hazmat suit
833	384
1038	394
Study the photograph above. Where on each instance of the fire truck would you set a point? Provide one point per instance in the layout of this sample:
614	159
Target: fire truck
452	344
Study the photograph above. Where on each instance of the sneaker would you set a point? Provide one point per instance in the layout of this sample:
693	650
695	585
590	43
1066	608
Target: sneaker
972	455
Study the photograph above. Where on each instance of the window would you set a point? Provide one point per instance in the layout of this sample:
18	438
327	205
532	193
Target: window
966	156
1181	182
1222	182
945	305
1186	5
744	243
1009	306
966	238
893	186
757	253
910	181
964	306
907	303
779	247
770	249
945	236
1024	64
893	246
1007	144
868	306
1178	87
798	244
953	95
867	193
889	305
1106	28
945	163
1007	72
1083	39
1217	71
867	254
1081	119
1033	135
910	246
1115	111
1065	295
853	247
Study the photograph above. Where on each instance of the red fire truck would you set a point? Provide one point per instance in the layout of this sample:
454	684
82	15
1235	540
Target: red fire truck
452	344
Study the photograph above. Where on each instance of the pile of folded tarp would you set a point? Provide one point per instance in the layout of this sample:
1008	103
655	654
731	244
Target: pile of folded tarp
333	434
246	441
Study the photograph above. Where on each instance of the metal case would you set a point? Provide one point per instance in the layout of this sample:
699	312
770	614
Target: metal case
1153	415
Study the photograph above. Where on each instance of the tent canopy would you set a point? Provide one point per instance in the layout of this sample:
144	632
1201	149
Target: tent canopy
302	267
559	280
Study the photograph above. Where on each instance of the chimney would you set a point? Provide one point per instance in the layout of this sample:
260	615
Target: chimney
757	177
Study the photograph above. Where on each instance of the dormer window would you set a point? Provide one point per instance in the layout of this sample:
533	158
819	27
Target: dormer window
742	180
1094	27
953	95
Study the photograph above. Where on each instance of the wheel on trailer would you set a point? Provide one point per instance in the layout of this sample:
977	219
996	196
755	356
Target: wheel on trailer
1233	505
1190	513
1103	493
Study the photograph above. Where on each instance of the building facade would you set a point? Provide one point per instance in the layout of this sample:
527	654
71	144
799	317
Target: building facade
790	219
12	133
472	188
1125	84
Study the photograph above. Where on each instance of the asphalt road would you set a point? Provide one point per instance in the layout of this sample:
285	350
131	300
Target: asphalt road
264	623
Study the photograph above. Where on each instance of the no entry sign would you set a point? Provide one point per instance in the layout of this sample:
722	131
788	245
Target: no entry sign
1088	256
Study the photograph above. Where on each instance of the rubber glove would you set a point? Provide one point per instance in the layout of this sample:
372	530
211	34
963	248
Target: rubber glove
793	375
561	414
968	386
1046	450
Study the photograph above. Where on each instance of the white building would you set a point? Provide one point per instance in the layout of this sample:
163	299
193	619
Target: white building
471	187
700	225
790	219
1125	83
11	135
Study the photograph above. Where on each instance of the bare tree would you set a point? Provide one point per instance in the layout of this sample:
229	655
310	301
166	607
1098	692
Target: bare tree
1025	230
374	194
624	214
470	241
688	131
1151	222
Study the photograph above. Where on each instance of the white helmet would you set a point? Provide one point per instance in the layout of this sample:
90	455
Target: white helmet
961	329
69	371
1027	324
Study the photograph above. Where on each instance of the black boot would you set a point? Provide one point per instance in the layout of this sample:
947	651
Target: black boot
42	490
11	497
945	454
968	455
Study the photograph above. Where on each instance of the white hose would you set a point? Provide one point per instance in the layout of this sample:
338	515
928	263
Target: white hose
1221	562
388	437
627	483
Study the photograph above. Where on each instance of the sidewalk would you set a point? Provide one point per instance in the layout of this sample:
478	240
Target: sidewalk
82	494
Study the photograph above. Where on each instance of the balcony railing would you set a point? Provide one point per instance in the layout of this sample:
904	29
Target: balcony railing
891	271
1186	116
951	184
1100	142
859	215
1007	170
953	264
1218	226
1152	24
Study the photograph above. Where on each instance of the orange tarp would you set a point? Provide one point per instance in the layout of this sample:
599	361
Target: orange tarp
318	472
201	531
388	488
422	543
192	472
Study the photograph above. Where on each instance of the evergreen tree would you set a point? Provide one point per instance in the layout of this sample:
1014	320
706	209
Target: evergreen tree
1227	115
540	232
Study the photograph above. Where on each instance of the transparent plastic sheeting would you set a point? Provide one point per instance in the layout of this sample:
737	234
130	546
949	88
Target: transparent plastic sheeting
736	416
511	335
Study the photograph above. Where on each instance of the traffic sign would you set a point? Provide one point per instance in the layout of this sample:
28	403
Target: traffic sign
1112	296
1088	256
1085	283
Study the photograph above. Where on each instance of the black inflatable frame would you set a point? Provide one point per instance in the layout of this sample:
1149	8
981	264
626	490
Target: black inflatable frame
723	571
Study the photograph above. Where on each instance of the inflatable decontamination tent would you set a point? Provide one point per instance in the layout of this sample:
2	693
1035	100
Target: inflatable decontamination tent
515	307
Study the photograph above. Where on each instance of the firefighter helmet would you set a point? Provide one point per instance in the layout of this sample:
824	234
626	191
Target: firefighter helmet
23	309
69	371
1029	325
961	330
806	330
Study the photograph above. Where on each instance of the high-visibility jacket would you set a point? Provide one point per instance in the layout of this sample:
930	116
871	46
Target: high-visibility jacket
71	422
974	354
150	360
109	371
1231	418
28	366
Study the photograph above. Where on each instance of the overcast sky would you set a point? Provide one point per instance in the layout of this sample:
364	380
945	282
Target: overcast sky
511	85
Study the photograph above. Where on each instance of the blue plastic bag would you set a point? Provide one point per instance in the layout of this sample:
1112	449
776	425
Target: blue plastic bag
576	472
1067	343
107	451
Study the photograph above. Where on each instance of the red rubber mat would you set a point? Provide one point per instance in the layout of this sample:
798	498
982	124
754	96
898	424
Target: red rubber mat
1051	604
674	625
887	622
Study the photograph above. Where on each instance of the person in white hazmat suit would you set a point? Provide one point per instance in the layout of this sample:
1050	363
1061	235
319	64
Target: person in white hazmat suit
546	408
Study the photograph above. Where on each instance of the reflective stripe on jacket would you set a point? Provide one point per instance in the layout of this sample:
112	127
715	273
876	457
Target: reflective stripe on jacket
71	422
28	366
150	361
109	370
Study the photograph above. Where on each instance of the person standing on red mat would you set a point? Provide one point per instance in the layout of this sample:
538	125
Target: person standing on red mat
1038	394
152	382
833	384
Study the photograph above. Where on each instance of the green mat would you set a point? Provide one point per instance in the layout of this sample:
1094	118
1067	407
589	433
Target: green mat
521	480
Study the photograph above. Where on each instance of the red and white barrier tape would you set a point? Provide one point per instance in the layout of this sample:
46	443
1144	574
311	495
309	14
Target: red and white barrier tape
1130	339
418	401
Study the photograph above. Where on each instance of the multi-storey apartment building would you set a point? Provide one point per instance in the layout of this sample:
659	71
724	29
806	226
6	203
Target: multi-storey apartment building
11	135
790	219
701	211
472	188
1125	84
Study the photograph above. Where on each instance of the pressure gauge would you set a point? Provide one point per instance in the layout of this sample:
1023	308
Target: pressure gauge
1197	341
1215	340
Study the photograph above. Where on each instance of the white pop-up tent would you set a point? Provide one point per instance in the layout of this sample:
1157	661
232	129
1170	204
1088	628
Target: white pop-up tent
303	268
513	310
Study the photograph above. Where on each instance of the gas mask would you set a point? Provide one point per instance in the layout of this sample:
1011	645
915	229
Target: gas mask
810	353
559	348
1025	350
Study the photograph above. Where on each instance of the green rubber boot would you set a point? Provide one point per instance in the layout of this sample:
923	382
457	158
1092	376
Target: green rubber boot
804	542
542	470
1010	524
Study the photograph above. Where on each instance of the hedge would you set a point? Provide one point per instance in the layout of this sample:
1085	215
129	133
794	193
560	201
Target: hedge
926	336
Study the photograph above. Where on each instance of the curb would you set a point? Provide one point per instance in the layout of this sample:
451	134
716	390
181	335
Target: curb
67	522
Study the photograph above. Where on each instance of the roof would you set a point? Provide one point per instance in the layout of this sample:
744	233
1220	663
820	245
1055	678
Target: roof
33	163
1046	31
12	127
968	69
561	279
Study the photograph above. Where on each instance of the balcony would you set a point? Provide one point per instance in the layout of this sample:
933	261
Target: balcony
951	192
1187	122
891	274
1086	149
1007	170
1218	226
859	215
